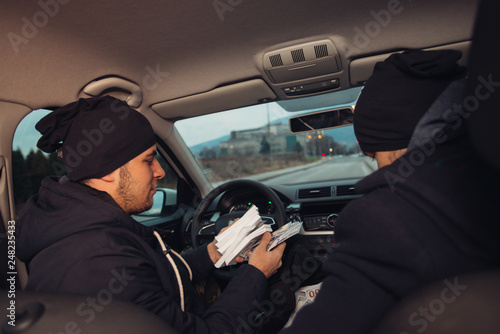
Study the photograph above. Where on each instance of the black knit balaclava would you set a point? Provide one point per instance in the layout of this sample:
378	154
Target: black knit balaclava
97	136
397	95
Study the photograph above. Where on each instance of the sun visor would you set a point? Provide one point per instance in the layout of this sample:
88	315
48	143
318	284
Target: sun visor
362	68
222	98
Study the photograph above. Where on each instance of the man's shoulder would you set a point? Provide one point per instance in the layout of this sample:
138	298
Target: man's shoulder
107	237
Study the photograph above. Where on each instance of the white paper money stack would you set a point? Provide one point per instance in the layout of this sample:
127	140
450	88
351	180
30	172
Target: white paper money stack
242	236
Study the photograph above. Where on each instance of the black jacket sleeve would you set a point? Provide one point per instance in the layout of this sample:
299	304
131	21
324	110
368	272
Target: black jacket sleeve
127	273
200	263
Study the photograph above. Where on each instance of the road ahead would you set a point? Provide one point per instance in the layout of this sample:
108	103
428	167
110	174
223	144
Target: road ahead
335	168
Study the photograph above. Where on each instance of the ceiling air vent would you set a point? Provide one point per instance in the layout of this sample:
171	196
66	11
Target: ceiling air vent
276	60
346	190
298	55
321	51
315	192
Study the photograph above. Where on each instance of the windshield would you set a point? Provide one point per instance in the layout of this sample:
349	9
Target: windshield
255	142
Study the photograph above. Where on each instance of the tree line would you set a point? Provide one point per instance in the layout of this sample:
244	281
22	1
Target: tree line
29	171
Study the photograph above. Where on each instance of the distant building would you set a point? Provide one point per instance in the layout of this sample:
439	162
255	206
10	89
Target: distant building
251	141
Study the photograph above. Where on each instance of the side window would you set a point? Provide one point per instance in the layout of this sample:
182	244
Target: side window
31	165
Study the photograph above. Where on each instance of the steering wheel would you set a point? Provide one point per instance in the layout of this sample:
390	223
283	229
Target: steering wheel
279	215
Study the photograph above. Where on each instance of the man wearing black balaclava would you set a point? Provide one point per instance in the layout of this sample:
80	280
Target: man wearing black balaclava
77	236
426	214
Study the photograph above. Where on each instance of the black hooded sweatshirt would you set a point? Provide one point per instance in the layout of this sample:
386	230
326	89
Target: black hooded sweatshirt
78	240
430	216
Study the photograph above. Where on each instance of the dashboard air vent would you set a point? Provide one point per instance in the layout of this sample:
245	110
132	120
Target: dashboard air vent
346	190
321	50
276	60
315	192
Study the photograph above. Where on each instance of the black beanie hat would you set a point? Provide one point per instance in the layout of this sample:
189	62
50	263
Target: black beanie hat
97	136
399	92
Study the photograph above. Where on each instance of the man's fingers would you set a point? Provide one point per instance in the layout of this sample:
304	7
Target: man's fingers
281	247
225	228
264	241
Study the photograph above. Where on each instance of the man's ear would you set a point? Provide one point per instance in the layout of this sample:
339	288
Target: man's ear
111	177
107	183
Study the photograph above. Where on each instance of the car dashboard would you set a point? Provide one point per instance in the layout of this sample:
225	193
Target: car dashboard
317	205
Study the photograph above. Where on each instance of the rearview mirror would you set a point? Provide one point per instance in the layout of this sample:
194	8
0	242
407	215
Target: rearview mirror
322	120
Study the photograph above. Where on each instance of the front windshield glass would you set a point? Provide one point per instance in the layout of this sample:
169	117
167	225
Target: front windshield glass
255	142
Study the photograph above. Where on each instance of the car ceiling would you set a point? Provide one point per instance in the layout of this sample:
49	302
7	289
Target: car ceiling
195	46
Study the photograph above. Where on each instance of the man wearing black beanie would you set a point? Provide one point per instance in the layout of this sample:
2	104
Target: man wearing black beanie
394	99
426	214
77	236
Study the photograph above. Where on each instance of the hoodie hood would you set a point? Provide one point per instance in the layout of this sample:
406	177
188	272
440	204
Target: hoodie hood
62	208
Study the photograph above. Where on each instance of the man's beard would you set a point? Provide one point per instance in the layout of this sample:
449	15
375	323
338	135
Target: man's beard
131	203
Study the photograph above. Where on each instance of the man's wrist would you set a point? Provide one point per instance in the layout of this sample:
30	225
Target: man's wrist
213	253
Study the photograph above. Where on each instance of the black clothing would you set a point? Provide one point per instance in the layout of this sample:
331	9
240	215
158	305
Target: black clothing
77	239
425	217
483	86
96	135
439	117
398	93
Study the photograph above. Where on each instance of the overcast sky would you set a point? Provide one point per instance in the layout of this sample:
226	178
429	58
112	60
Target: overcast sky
26	136
205	128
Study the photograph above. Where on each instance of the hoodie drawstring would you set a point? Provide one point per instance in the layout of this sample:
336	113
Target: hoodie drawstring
165	252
